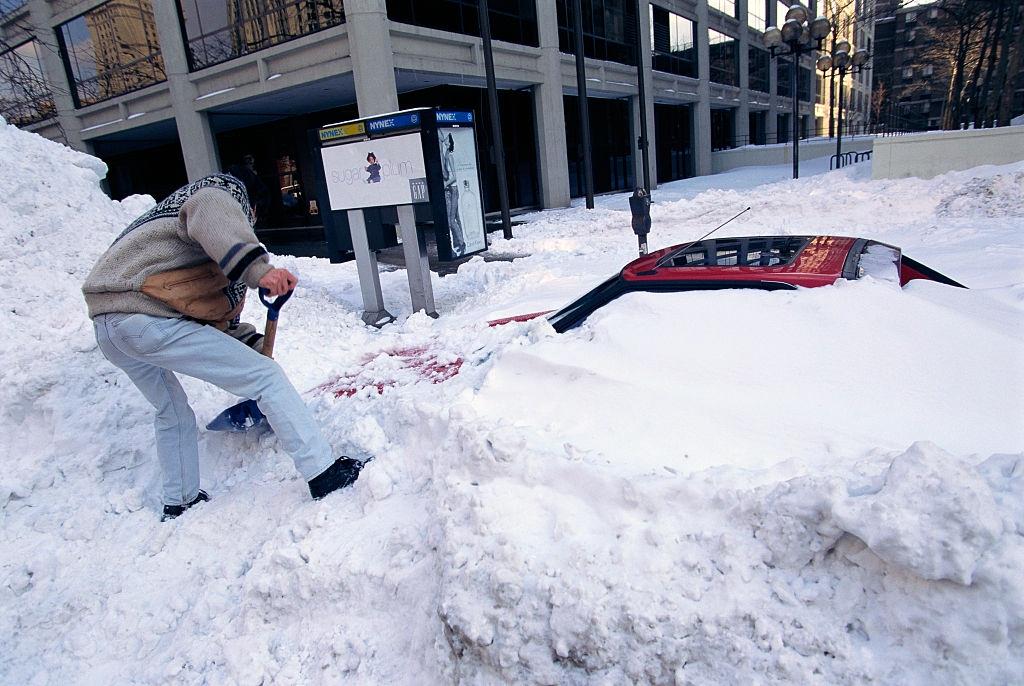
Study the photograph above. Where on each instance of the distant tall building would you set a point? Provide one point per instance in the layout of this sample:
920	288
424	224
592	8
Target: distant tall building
911	92
125	45
911	75
257	24
854	21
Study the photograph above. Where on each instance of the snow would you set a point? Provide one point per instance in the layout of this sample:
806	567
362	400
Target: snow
816	486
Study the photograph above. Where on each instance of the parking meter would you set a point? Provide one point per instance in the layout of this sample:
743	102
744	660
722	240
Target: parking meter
640	206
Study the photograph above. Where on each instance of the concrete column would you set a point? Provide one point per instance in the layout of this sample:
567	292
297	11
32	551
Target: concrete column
646	40
549	112
373	60
742	123
702	111
198	145
41	17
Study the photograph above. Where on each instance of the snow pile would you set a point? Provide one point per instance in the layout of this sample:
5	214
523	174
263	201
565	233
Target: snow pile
933	516
820	486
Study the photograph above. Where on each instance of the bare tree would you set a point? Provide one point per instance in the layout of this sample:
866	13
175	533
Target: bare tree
26	96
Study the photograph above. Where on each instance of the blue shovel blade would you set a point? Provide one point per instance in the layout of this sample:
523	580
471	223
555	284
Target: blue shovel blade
237	418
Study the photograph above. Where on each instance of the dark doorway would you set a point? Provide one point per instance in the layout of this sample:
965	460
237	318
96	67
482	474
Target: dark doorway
723	129
157	170
784	128
758	133
278	153
518	134
673	135
612	154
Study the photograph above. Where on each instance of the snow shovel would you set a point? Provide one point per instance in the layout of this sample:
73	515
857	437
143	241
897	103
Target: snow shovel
247	415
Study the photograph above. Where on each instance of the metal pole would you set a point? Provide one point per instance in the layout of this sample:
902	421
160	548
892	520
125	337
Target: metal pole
492	98
796	119
839	133
642	142
581	87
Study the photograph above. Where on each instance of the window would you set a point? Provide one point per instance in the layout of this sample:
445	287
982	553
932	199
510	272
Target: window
722	129
741	252
220	30
514	21
25	96
111	50
672	41
911	17
908	72
757	14
783	71
804	79
758	66
10	5
727	7
724	58
780	9
819	93
609	30
928	70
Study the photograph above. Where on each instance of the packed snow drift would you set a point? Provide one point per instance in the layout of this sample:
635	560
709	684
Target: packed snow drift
814	486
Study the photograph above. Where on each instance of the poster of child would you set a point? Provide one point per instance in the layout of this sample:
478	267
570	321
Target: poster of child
373	169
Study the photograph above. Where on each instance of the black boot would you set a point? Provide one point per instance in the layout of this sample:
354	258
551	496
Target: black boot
172	511
342	473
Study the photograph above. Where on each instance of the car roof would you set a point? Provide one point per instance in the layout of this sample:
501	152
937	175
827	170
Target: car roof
795	260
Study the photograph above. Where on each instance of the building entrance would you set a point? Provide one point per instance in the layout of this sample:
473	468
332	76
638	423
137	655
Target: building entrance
612	154
673	135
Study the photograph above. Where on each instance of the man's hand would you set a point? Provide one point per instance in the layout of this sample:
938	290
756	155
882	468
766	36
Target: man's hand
278	281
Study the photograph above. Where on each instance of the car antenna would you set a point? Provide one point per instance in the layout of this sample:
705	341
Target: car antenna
671	255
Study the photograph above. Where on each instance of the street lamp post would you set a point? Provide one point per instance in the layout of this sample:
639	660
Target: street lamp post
841	61
801	35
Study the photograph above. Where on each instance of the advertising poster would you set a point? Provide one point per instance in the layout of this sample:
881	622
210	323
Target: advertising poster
376	173
462	190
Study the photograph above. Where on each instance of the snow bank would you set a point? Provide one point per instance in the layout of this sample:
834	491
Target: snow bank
823	486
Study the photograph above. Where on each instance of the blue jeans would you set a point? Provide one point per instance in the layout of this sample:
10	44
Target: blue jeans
150	349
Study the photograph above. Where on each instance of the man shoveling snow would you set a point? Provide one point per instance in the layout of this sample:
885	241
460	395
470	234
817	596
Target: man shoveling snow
165	297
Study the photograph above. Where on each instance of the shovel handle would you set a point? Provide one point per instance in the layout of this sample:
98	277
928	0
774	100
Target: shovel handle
273	312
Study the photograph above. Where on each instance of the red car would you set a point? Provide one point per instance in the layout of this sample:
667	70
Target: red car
763	262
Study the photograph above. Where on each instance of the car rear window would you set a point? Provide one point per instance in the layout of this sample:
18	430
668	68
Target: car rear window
740	252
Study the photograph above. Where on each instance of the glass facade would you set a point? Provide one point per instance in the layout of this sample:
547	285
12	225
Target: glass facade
783	73
220	30
672	40
723	124
111	50
7	6
757	14
25	96
780	8
609	30
724	58
673	137
612	154
804	78
727	7
513	21
758	66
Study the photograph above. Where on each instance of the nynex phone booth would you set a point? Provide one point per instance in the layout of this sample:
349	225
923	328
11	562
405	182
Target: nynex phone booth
376	170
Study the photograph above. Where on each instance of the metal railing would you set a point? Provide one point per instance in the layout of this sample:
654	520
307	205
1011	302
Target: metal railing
262	26
118	80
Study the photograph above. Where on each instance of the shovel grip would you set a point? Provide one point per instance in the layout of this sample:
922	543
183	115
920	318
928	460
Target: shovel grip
273	311
269	336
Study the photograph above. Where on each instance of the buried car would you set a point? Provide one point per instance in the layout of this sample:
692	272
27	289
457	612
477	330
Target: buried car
761	262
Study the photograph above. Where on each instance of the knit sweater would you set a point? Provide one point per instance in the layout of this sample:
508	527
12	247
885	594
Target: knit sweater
210	224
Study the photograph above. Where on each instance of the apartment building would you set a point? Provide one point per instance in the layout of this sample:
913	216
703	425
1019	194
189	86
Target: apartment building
170	90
